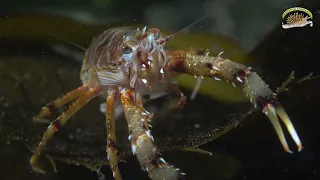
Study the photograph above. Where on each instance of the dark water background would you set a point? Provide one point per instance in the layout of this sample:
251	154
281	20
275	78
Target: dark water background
251	151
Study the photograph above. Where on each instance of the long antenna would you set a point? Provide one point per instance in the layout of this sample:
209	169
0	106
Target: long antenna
68	41
167	38
216	6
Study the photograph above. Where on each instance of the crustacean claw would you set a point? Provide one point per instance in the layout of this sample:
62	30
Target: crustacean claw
250	82
273	112
35	166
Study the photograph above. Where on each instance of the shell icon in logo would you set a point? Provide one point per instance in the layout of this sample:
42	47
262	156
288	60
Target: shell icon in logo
296	17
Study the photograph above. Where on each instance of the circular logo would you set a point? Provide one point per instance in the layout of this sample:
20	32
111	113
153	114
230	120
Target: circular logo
296	17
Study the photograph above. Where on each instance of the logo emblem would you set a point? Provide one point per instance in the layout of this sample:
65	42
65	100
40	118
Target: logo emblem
296	17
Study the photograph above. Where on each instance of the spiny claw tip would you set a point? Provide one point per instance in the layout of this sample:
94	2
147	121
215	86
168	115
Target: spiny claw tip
286	120
288	150
37	169
34	164
272	113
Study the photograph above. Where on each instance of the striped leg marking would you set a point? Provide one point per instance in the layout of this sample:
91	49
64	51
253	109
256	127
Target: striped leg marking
58	103
60	121
111	144
142	141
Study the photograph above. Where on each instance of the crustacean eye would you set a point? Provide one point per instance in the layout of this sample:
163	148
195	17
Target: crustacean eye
126	50
155	32
157	36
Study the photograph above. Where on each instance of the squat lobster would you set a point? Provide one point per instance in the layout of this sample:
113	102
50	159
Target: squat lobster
124	63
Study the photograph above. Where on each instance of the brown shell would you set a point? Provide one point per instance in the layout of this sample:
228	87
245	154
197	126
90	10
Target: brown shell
103	49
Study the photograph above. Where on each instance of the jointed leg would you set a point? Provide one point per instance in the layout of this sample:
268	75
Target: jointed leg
183	98
239	75
111	144
60	121
142	141
58	103
173	54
